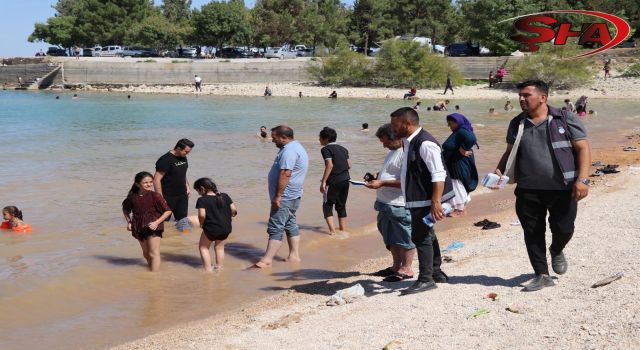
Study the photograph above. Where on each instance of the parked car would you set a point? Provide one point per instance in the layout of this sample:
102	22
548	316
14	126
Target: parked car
462	49
187	52
232	52
96	51
109	51
308	52
56	51
87	52
129	51
280	52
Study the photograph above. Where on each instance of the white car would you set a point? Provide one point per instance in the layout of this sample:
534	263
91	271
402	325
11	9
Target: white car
280	52
108	51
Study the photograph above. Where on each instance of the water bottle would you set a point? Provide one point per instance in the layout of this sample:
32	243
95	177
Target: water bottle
428	219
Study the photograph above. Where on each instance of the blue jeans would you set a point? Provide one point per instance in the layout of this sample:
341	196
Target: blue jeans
283	220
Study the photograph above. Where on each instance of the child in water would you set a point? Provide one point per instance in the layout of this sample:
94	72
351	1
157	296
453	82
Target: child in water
215	211
150	210
13	217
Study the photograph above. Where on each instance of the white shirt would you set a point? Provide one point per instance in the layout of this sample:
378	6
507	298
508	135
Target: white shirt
430	153
197	79
391	170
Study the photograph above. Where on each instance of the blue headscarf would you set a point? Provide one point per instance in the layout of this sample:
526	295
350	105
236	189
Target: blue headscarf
463	123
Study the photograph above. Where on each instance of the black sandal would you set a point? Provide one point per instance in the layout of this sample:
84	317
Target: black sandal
491	225
481	223
398	277
384	272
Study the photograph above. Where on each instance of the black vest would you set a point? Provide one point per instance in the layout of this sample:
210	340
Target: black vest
418	185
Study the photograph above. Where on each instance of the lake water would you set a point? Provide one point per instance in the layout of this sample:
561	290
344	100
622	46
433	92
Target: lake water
80	279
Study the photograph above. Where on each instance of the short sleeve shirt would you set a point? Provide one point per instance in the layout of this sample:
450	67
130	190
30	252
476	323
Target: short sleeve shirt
339	156
391	170
536	165
291	157
174	181
217	217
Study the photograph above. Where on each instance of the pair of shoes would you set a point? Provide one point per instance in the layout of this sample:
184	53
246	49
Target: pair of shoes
491	225
397	277
597	173
559	263
610	169
419	286
384	272
481	223
440	277
539	282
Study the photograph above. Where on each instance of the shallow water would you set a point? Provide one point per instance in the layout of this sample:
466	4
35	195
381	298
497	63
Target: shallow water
79	278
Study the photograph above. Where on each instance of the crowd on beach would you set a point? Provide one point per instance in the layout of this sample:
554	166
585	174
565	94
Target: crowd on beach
420	182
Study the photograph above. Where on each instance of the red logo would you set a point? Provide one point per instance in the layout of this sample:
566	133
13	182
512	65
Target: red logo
591	32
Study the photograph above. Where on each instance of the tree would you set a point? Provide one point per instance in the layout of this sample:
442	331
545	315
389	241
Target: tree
57	31
93	21
481	19
176	10
222	23
322	22
431	18
155	31
274	21
371	21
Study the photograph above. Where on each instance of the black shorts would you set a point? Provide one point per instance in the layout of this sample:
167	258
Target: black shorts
215	236
146	233
336	195
179	205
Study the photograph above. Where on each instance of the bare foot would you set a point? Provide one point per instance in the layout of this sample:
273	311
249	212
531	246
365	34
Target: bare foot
331	233
457	213
293	259
259	265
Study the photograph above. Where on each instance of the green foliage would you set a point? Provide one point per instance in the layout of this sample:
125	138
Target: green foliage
346	68
371	21
57	31
220	23
547	65
405	63
180	61
176	10
632	71
154	31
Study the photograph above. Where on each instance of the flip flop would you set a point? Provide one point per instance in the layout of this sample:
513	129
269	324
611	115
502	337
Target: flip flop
609	169
384	272
481	223
598	163
629	149
597	173
397	277
491	225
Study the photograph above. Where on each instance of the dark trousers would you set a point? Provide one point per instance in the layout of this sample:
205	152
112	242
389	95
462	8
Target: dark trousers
424	237
179	205
448	87
532	207
337	194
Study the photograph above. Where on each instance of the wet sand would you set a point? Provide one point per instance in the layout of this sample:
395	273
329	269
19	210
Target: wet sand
569	315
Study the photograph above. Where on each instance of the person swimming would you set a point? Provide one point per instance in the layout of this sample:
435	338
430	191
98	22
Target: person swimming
263	133
13	220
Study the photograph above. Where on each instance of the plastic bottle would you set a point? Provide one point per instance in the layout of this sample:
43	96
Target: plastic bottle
428	219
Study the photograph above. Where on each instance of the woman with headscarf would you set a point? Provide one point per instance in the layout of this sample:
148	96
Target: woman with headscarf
459	160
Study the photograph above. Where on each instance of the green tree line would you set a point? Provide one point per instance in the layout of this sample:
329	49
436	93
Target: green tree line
327	23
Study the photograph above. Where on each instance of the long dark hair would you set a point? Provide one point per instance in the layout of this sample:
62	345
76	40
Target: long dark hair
13	210
209	185
135	189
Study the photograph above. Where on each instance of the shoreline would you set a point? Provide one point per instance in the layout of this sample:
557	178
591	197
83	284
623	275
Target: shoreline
613	88
382	317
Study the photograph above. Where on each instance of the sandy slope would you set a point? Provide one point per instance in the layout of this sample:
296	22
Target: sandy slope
570	315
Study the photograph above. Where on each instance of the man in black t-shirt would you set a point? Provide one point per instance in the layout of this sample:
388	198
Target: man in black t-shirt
335	180
170	179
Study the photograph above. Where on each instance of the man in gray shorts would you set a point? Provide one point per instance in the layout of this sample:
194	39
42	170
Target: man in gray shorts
286	179
394	220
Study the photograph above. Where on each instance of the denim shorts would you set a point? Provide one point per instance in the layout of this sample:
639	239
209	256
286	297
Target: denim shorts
283	220
394	224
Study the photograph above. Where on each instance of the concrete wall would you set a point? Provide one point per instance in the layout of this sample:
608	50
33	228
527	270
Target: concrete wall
28	72
168	72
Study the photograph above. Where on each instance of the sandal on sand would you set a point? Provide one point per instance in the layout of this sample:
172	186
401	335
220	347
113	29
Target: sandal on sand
598	163
481	223
609	169
398	277
630	148
597	173
491	225
384	272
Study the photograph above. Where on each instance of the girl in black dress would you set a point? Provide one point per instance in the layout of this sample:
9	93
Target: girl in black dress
215	211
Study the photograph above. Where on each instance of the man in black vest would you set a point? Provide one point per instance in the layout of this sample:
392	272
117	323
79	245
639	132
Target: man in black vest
551	168
425	185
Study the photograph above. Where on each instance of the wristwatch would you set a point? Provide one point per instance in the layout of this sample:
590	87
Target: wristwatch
585	181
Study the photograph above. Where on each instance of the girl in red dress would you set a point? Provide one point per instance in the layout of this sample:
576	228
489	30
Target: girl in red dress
149	211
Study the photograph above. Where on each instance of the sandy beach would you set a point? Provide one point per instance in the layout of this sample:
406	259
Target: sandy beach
571	315
613	88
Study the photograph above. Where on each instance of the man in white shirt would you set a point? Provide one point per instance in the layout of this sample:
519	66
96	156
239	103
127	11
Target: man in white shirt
425	186
394	220
198	83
